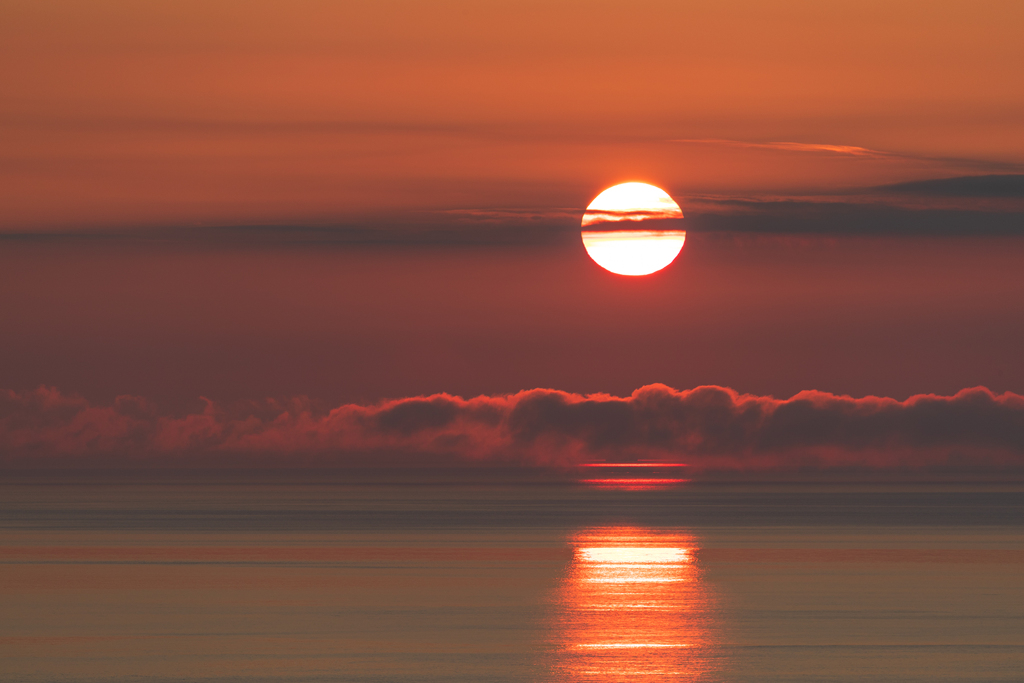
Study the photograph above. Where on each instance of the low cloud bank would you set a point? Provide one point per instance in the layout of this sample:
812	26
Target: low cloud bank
714	429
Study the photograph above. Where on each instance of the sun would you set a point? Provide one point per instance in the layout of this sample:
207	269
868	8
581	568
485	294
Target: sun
633	229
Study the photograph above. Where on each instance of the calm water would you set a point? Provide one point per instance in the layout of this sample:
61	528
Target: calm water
525	583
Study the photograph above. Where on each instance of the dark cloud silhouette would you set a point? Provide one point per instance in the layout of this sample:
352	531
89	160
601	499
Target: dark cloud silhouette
964	206
540	227
714	429
830	217
1004	185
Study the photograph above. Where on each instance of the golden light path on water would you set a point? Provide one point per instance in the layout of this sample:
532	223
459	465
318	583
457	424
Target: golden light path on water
633	605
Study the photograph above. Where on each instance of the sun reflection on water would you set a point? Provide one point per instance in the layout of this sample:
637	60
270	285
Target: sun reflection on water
632	605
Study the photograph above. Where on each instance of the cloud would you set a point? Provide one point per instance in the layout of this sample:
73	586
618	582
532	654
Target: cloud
990	205
1002	185
846	150
854	215
898	214
462	227
714	429
976	164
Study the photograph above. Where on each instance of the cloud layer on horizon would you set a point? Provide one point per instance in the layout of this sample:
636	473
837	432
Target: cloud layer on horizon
714	429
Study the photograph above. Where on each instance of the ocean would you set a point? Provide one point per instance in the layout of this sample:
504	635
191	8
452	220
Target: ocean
527	582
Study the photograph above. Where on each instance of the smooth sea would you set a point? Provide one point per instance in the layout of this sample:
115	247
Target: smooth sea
467	582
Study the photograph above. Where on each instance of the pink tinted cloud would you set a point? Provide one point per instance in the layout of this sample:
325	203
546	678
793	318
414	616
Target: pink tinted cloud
711	428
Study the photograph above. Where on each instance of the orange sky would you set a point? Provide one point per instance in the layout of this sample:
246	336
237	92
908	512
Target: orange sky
246	146
221	112
772	315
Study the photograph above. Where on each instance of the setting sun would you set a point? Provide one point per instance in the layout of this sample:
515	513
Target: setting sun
632	229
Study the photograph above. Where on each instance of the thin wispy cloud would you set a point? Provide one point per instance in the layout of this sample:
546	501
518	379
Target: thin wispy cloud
940	162
849	150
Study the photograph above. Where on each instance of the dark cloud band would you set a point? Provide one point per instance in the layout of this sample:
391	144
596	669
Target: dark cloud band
712	428
990	205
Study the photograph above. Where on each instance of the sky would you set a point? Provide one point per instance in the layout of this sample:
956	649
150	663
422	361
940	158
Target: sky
244	212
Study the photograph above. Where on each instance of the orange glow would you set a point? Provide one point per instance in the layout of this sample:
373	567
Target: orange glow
634	484
628	483
229	112
643	238
633	605
634	464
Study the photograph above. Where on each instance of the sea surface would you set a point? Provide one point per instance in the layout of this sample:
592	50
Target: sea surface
531	582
